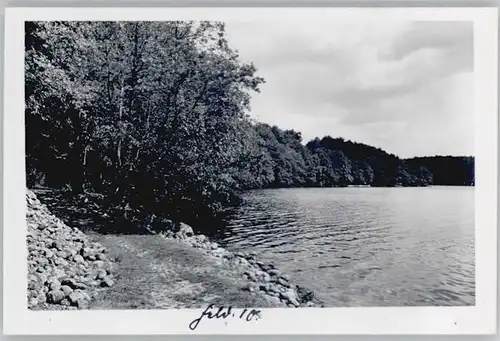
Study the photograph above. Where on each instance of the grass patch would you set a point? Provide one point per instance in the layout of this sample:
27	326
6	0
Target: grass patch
155	273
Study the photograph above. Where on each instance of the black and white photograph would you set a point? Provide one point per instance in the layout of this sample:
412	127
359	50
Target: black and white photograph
232	166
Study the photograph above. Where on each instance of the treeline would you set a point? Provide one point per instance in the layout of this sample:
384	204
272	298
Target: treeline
153	115
448	170
283	161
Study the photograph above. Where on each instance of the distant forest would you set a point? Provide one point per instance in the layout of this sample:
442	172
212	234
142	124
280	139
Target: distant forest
153	115
283	161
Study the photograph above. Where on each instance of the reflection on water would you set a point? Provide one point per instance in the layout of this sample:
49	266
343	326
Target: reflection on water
365	246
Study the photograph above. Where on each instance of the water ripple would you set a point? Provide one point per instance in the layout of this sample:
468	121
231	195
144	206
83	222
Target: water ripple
365	247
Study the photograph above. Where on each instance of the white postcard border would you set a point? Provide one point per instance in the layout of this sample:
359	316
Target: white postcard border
478	319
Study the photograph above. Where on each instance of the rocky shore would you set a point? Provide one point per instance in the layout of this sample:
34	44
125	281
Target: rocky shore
261	278
65	269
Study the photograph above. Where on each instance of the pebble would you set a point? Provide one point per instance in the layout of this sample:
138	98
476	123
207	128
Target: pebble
252	287
305	294
185	230
82	303
55	285
273	272
101	257
66	290
42	297
243	262
274	288
285	277
69	282
250	275
75	296
60	273
65	302
55	296
63	254
56	245
60	261
48	253
43	261
32	285
107	282
282	281
265	287
98	264
55	260
275	300
263	278
291	297
101	274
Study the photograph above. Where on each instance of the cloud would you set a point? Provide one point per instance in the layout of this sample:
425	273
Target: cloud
402	86
454	37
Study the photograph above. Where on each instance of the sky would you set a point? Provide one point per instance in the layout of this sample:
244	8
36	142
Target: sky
405	87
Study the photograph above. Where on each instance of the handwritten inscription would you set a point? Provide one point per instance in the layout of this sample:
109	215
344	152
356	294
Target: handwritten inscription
213	312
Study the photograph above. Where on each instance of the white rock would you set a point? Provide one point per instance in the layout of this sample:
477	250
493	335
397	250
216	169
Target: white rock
290	296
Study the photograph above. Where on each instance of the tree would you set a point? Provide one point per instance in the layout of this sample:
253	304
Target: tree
154	116
147	112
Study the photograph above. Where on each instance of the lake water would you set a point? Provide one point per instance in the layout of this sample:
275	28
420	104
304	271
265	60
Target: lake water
365	246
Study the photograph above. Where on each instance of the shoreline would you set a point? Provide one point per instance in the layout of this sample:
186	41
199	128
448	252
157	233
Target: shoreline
66	270
262	278
69	269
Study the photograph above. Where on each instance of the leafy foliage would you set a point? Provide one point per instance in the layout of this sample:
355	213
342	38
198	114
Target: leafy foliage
153	115
149	113
448	170
328	162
